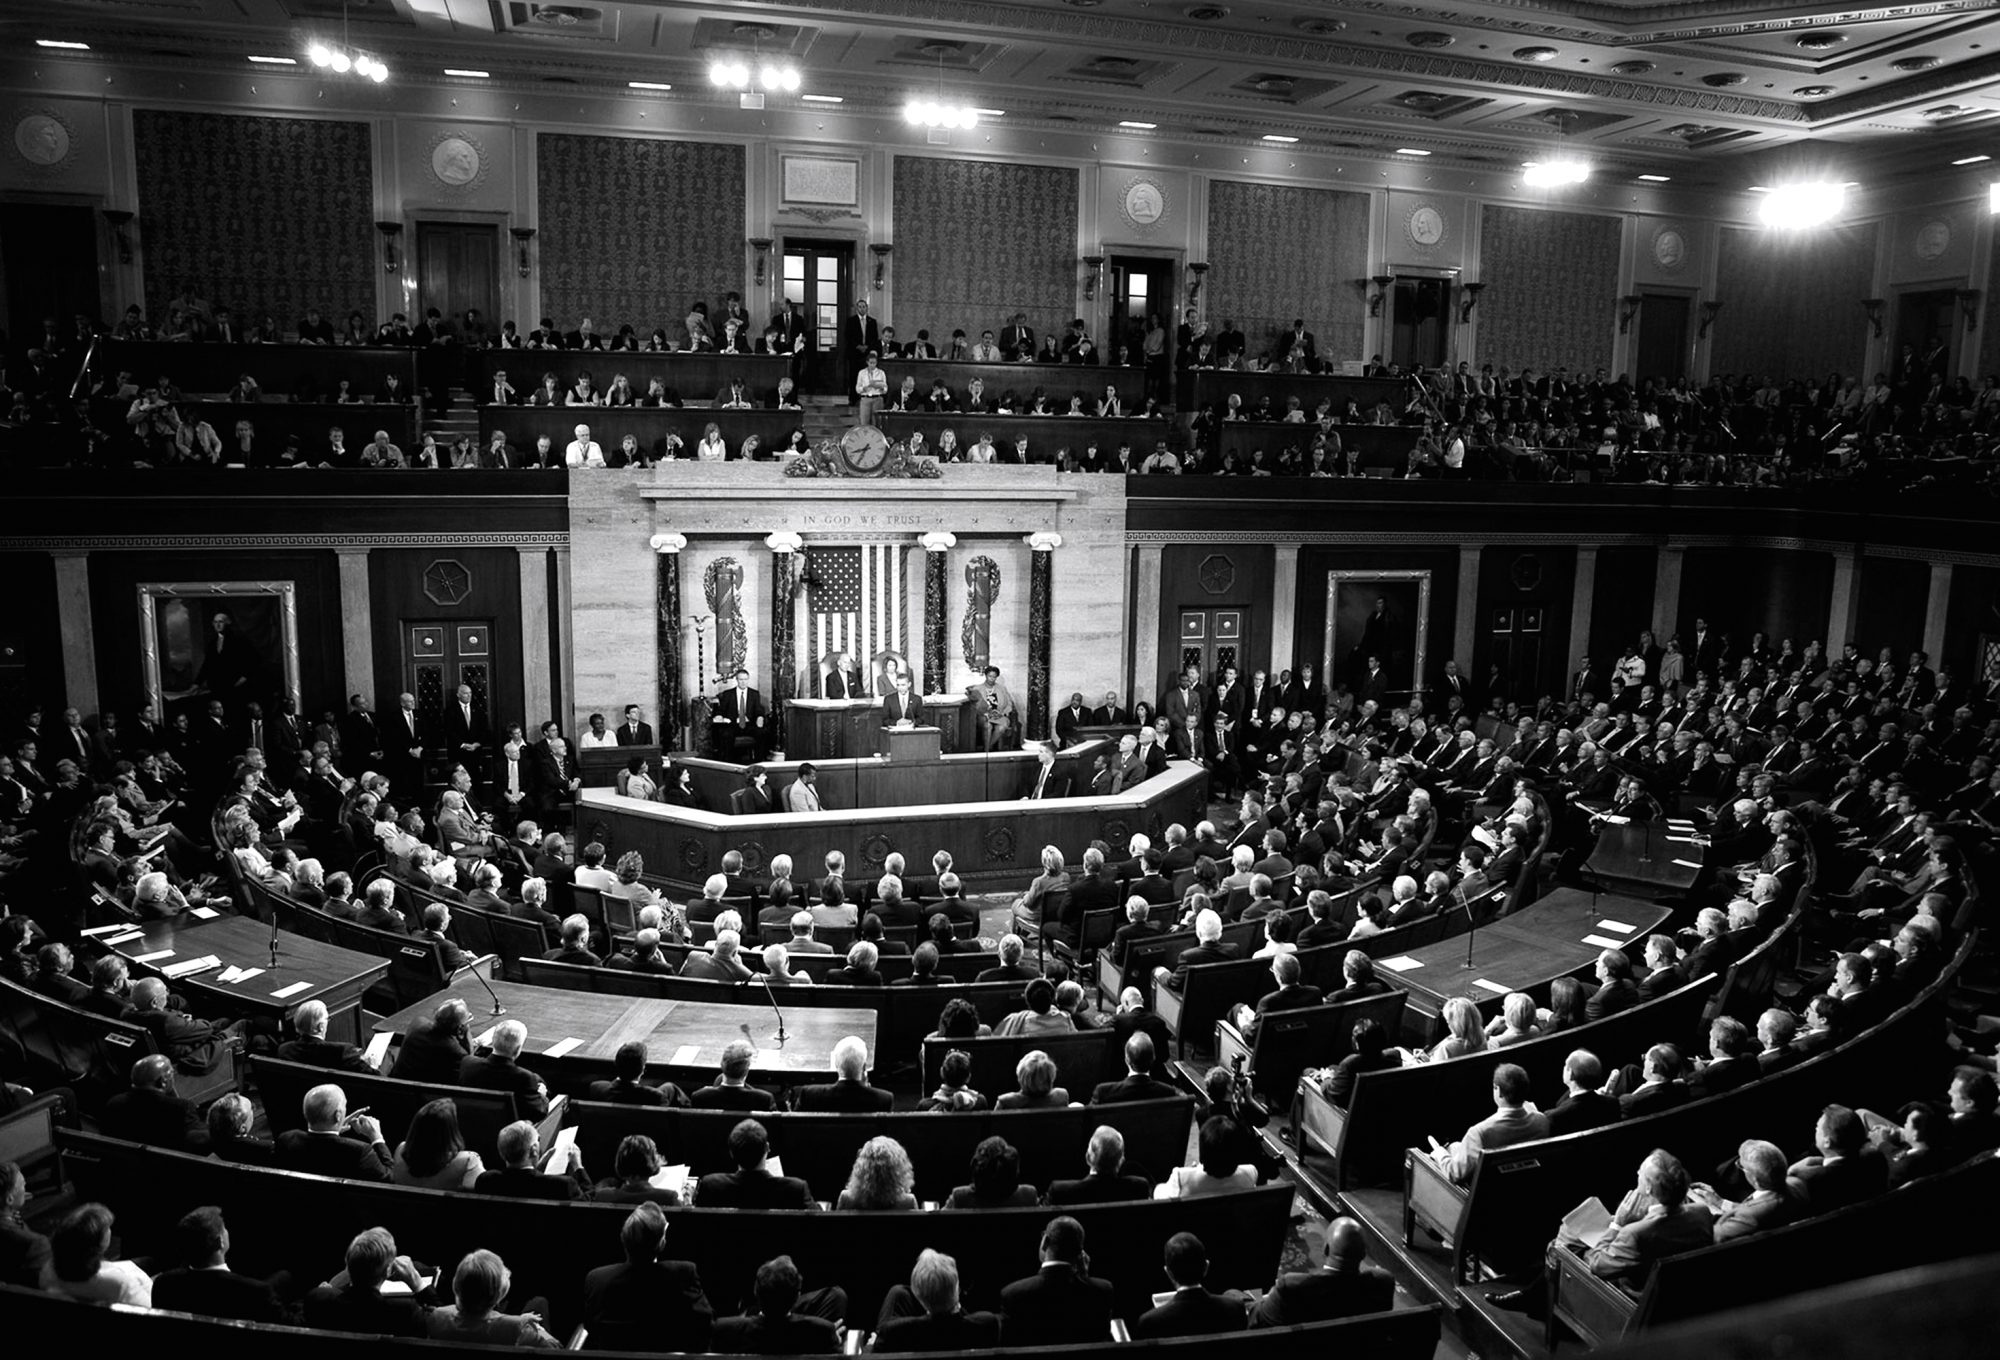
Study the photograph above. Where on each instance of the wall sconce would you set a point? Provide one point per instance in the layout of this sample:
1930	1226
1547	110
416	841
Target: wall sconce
1093	266
881	254
521	235
1628	309
762	245
1708	311
119	220
1968	307
1381	293
1470	300
1194	288
1874	308
390	231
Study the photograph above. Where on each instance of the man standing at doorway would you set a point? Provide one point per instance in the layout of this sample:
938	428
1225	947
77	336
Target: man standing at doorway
860	337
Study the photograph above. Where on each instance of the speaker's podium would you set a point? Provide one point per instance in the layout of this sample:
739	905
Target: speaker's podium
912	745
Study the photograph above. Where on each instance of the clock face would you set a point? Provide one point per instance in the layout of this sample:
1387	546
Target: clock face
1144	203
1426	226
864	449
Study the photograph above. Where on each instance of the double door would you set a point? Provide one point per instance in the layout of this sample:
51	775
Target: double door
1210	640
819	276
438	657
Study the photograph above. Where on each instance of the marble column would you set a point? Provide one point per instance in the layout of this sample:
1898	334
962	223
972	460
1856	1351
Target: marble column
1846	599
565	673
937	634
1667	595
1934	610
537	694
1041	630
79	643
357	628
784	547
1145	625
1583	596
1284	610
667	637
1465	619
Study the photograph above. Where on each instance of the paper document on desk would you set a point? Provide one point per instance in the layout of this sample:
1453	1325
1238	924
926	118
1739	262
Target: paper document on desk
120	941
1402	963
1604	942
156	954
204	913
190	966
1688	863
234	974
378	1048
685	1056
115	928
1683	840
485	1040
1587	1222
292	990
1618	926
562	1049
1492	987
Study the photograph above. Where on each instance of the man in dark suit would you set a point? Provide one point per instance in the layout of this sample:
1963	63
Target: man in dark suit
731	1089
153	1113
433	1049
1010	968
1194	1309
403	757
552	775
524	1173
629	1086
1043	781
842	680
353	1301
925	1315
785	1323
326	1147
1132	1018
1138	926
1105	1184
646	1302
204	1284
1070	717
1138	1082
23	1251
1583	1106
851	1093
796	339
466	729
499	1070
1732	1060
1208	948
1772	1203
1616	991
634	731
1017	339
740	724
751	1185
1345	1285
1060	1304
1845	1170
1291	995
313	1048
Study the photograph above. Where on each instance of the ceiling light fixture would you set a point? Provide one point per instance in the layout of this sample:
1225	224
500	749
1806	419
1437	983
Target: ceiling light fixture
1561	170
1993	197
822	99
771	76
1972	160
63	43
1411	151
941	112
342	59
1134	123
469	75
646	85
991	113
1809	204
1279	137
274	61
1656	179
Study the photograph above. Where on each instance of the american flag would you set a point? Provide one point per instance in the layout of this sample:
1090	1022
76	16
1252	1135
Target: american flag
857	600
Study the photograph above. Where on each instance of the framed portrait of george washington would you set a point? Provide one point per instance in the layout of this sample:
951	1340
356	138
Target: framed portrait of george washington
236	641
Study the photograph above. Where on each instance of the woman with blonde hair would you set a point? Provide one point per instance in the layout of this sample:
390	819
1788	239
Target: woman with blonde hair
882	1178
1036	1075
478	1287
1468	1035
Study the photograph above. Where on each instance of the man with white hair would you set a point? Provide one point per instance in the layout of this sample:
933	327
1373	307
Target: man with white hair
534	904
1011	968
313	1048
196	1047
583	451
1208	948
331	1144
500	1070
778	968
1208	844
1242	865
722	965
926	1316
850	1092
1135	865
713	889
1714	951
802	941
524	1173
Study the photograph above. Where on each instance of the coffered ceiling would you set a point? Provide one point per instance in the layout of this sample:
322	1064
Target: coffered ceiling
1702	89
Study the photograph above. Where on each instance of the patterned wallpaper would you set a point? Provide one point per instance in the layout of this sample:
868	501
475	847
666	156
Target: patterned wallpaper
634	231
977	241
1790	303
1551	296
1279	251
262	215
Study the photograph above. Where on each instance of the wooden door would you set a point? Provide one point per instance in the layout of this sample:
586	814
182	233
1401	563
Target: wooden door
50	262
1421	326
819	276
1210	640
439	655
1663	337
458	267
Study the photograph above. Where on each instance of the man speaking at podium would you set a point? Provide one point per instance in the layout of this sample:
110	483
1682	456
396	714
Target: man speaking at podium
900	706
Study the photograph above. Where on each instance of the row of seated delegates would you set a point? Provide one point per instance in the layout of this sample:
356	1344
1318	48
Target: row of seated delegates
736	395
651	1301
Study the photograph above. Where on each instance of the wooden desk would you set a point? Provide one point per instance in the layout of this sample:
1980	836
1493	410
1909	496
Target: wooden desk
1638	859
871	781
335	976
694	377
683	1035
215	368
990	840
1520	953
832	729
598	766
1058	381
650	425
